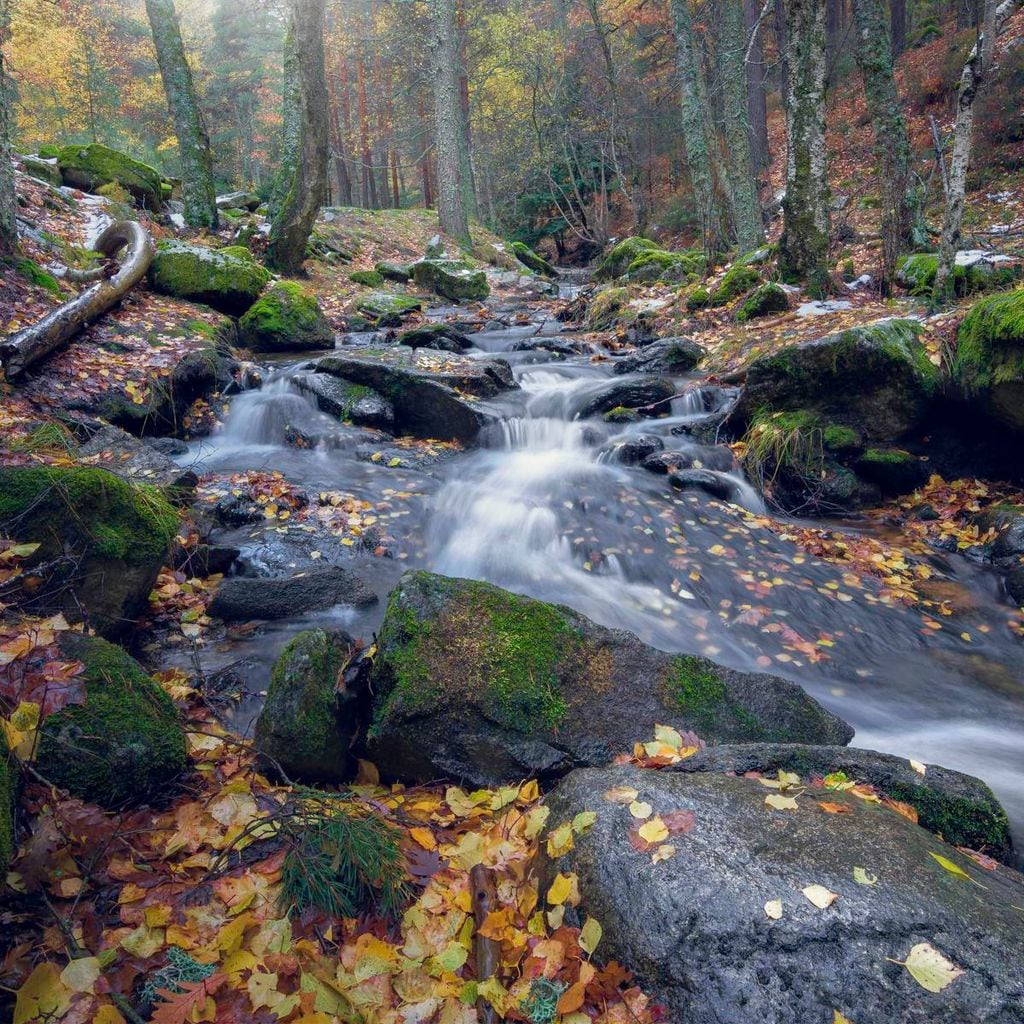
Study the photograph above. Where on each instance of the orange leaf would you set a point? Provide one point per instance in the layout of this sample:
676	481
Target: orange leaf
831	808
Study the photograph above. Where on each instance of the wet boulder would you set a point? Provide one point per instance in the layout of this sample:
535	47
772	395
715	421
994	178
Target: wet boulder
239	201
988	366
386	309
635	449
668	355
426	388
229	280
451	279
958	808
476	683
718	457
768	298
90	167
136	462
695	927
876	380
442	337
244	598
353	403
101	540
615	262
125	743
715	485
629	394
893	470
307	724
286	318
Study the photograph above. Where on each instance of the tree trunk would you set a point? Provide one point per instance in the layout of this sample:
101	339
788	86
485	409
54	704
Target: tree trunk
889	126
898	26
757	99
743	197
782	45
368	180
290	118
20	351
694	100
972	79
466	153
8	198
301	204
803	247
197	188
450	138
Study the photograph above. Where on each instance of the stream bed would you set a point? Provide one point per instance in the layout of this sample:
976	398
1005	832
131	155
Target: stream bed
547	508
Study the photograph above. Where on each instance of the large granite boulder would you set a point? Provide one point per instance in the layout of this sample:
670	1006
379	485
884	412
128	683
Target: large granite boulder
667	355
285	318
628	394
476	683
243	598
728	913
229	280
451	279
90	167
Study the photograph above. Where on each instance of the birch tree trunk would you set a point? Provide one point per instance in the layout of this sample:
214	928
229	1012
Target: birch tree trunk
743	197
974	76
8	199
698	145
308	187
448	128
803	247
889	126
197	188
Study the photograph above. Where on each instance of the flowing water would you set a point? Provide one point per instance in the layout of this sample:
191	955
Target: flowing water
545	507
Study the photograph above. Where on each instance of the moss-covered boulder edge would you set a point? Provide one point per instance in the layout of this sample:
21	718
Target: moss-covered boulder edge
477	683
93	166
229	279
125	743
286	317
102	540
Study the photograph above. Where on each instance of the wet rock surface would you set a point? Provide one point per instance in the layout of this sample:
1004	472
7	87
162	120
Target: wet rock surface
240	598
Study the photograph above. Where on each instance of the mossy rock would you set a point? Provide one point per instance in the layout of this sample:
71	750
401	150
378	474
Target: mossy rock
699	298
617	259
451	279
125	744
386	309
737	281
917	274
43	170
989	362
757	257
767	299
525	255
621	414
227	281
367	278
31	271
101	539
90	167
894	470
285	318
876	379
477	683
307	724
609	308
670	267
8	784
49	151
398	272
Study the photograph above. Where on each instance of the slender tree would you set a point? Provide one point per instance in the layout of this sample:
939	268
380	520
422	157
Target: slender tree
757	97
892	143
308	186
197	188
448	126
291	119
974	76
8	199
803	247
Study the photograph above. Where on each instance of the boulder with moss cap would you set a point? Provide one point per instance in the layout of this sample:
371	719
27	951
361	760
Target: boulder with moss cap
475	683
286	318
229	279
124	743
90	167
101	540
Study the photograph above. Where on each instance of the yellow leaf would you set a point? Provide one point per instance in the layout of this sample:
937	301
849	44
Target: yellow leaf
560	841
536	820
108	1015
918	767
839	1018
773	909
653	831
424	837
954	869
929	968
640	809
590	936
494	992
621	795
862	877
43	997
560	889
664	852
780	802
820	896
583	821
143	942
81	975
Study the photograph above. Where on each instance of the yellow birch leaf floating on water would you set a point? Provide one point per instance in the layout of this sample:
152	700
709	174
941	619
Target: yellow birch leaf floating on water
955	869
653	831
773	909
590	936
929	968
862	877
780	802
820	896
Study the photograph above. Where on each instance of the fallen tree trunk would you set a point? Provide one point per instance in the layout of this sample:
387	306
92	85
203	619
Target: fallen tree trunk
20	351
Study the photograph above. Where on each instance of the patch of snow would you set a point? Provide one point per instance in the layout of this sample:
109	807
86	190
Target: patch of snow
819	308
861	282
972	257
178	221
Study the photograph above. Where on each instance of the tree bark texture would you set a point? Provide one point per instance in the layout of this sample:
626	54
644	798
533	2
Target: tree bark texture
8	199
898	26
757	97
197	188
803	247
20	351
308	187
291	100
450	139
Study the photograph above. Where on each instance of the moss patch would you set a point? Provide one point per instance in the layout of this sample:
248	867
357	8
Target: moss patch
90	167
125	744
736	281
367	278
532	261
768	298
959	820
990	343
31	271
227	281
693	687
616	261
285	317
660	265
917	274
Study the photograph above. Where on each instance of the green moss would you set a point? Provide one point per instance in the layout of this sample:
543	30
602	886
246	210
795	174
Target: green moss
606	309
699	298
531	260
239	252
451	279
299	725
87	509
736	281
768	298
227	281
8	779
368	278
959	820
990	343
49	152
839	438
917	274
694	688
657	264
621	414
90	167
504	652
615	262
385	309
31	270
399	272
125	744
115	193
790	444
887	457
285	317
